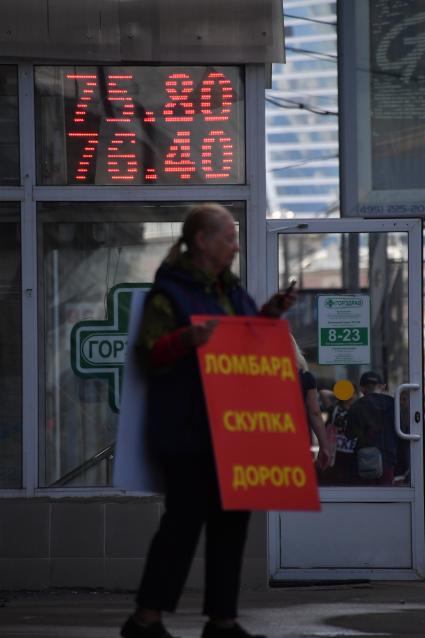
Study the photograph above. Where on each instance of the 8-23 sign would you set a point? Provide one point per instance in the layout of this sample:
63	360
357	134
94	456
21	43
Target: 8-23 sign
343	336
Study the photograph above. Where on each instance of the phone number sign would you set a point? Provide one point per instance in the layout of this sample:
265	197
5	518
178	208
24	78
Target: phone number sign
343	329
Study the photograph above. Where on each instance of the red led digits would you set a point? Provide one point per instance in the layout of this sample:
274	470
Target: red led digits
178	156
226	91
122	165
89	85
150	175
126	117
149	117
87	155
178	87
225	142
119	97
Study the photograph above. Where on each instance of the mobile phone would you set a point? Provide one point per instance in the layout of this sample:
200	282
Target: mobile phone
292	285
287	292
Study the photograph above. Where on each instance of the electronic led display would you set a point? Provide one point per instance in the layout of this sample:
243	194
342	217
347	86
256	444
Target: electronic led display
140	125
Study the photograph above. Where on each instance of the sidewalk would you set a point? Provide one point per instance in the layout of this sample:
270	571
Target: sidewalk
393	609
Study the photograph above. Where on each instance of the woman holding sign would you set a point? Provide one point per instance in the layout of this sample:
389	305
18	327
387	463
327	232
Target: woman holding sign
197	280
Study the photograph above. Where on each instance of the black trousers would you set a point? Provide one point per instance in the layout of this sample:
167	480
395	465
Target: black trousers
191	501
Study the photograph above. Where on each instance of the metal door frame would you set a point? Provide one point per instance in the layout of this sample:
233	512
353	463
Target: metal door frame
413	494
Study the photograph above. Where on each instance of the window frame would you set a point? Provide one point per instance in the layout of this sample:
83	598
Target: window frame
252	193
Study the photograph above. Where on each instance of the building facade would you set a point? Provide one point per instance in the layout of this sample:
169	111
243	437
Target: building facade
302	146
115	117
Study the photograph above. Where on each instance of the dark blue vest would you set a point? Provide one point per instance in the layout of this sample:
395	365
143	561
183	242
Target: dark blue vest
177	415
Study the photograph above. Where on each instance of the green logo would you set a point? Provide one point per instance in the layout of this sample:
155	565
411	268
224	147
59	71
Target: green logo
98	348
341	302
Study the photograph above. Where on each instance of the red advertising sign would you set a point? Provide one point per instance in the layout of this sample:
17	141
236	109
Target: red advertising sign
257	417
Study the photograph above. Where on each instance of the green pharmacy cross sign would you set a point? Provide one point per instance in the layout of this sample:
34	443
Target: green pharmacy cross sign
98	348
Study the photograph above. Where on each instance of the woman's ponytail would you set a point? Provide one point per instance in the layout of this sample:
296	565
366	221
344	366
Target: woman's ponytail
207	217
174	252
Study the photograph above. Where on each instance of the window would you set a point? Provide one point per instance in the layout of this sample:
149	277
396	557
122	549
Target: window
9	126
90	256
289	189
302	111
10	348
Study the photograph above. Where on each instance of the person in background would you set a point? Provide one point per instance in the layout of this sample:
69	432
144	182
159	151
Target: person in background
197	280
342	467
311	402
370	421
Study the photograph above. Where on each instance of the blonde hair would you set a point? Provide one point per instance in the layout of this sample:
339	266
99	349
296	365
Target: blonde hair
207	216
299	357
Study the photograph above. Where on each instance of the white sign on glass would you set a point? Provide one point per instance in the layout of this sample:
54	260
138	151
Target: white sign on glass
343	329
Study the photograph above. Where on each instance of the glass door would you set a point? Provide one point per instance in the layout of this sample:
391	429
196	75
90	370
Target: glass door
358	322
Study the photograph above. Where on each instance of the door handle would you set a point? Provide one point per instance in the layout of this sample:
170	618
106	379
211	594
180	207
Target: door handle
410	387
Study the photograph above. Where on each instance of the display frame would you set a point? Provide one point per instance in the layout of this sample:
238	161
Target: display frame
140	125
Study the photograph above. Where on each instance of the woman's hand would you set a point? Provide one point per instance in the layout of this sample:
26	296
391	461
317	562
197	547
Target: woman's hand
279	303
195	336
323	458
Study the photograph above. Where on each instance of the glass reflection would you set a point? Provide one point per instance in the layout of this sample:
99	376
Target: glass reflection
9	126
10	350
372	264
87	250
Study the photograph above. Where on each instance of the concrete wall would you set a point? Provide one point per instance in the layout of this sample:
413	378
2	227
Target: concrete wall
96	543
